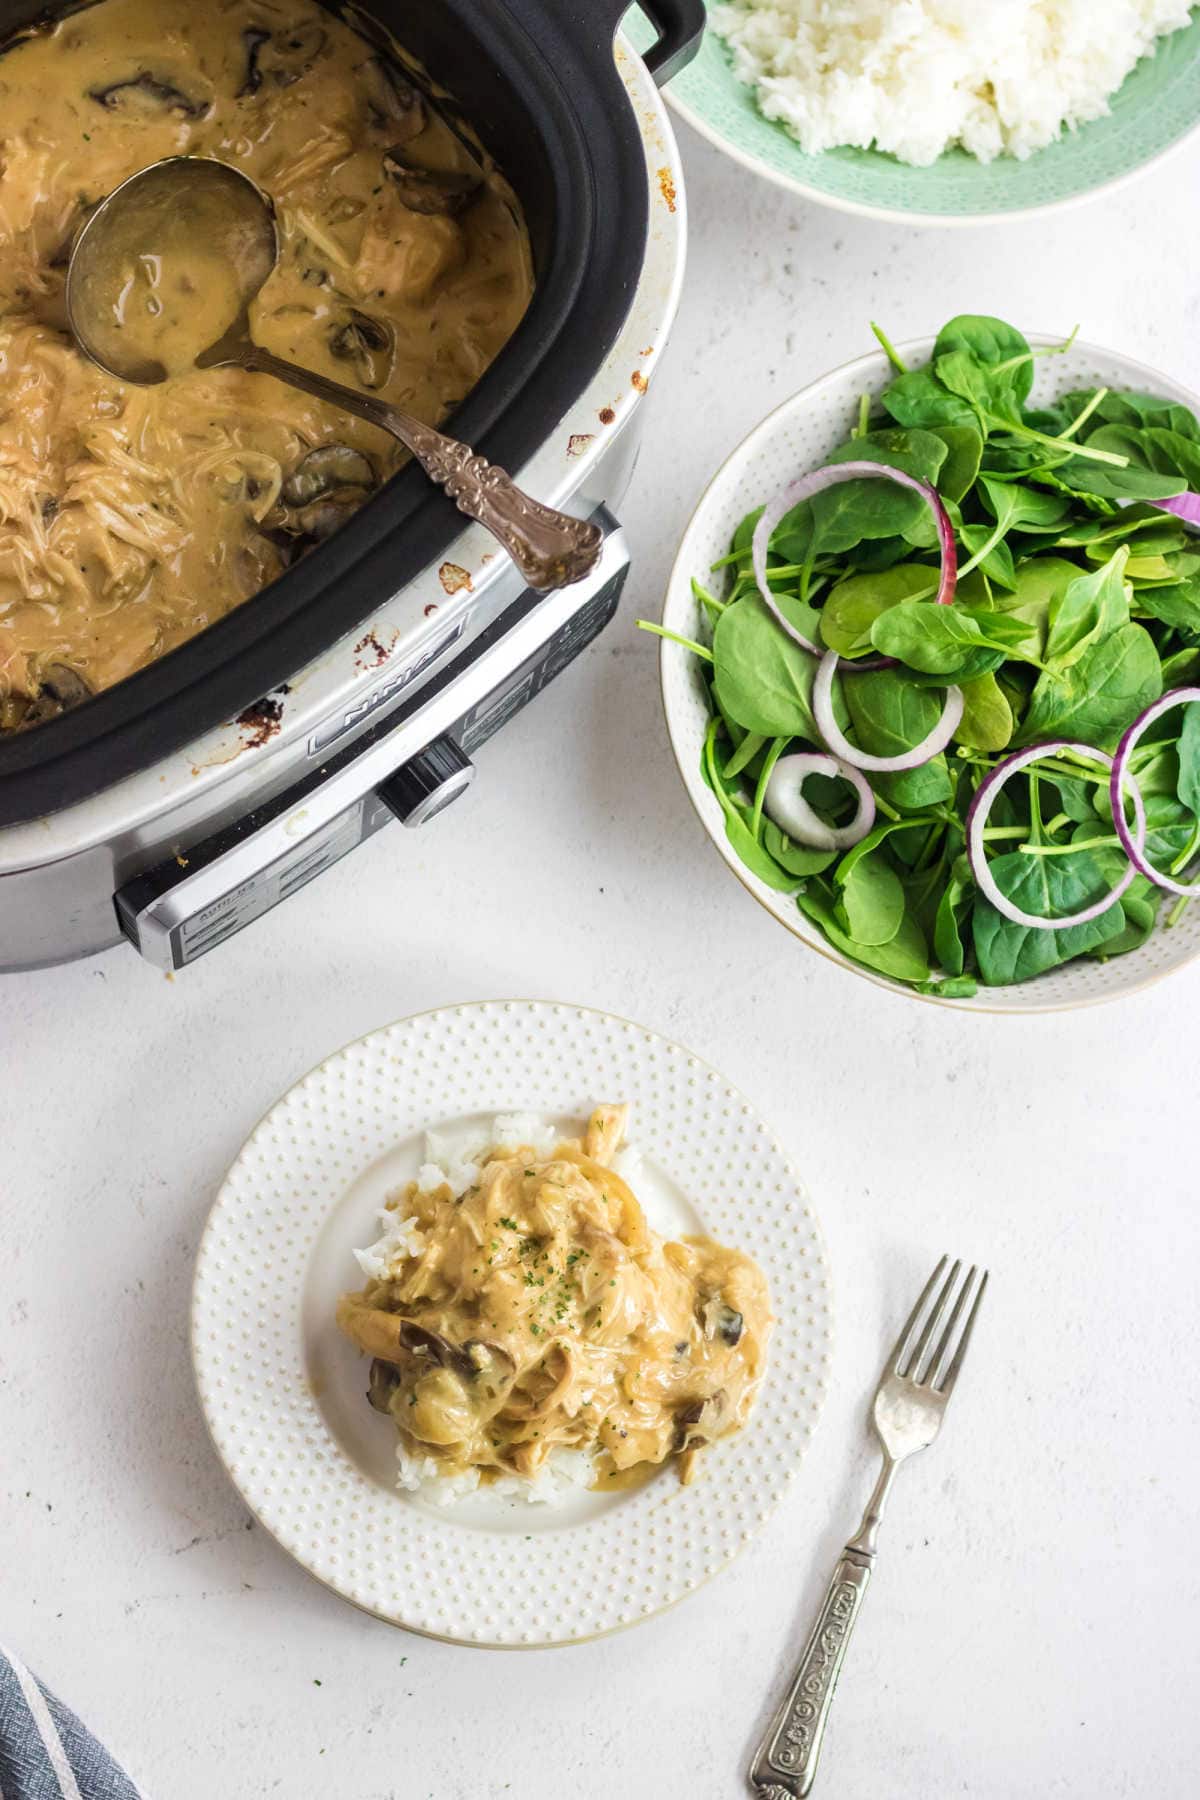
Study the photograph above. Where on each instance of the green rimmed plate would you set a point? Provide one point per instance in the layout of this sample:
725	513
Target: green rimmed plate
1152	113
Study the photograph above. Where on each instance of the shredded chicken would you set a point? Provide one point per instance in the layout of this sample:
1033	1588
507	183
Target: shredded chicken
539	1309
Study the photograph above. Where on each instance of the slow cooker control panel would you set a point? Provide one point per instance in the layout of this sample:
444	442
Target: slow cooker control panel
427	785
410	765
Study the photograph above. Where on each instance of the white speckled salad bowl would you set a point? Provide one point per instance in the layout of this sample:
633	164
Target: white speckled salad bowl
798	436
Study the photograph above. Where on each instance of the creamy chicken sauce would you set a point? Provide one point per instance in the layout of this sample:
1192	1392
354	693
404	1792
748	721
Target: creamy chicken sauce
541	1310
157	282
130	518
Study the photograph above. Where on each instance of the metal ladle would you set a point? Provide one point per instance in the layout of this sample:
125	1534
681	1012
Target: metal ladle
203	209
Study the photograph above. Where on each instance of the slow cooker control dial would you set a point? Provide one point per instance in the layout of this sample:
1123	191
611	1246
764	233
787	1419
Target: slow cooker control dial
426	785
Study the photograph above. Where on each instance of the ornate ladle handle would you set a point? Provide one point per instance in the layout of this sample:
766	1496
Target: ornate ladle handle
550	548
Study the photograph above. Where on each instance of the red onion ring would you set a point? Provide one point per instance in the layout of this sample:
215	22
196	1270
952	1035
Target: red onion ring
1184	506
1124	782
827	725
977	818
784	802
832	476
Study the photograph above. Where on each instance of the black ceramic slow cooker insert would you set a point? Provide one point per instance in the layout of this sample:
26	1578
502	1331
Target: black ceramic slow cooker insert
538	83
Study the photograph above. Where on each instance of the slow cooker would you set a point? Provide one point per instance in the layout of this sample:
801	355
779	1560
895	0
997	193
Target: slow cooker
181	805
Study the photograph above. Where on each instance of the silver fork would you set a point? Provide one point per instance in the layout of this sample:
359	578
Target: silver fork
912	1396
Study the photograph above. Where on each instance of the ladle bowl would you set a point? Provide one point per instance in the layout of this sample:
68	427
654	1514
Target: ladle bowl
161	279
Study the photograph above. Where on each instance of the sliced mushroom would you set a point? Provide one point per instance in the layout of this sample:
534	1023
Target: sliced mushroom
445	191
368	344
319	521
290	544
324	471
720	1320
254	37
280	57
63	688
699	1422
393	102
485	1365
382	1383
149	96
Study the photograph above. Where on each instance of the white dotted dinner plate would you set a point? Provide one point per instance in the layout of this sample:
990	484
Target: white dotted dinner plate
283	1391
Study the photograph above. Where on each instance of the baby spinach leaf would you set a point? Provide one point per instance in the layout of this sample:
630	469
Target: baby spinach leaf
916	452
744	534
1153	447
1121	407
1098	696
741	838
964	448
995	557
761	678
1049	887
855	603
919	399
904	958
870	899
1090	608
1182	669
1177	605
743	754
798	859
953	987
1106	481
1139	904
870	507
953	911
987	722
1188	786
891	714
1040	583
961	374
1000	354
940	640
1017	507
1131	522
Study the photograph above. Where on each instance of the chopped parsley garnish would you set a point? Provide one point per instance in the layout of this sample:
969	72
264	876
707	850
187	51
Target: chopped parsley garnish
510	1225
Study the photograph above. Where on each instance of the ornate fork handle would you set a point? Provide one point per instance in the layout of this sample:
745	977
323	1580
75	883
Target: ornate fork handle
786	1764
550	548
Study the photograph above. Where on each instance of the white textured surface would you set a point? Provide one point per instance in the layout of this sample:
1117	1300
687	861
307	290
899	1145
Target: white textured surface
1034	1626
282	1390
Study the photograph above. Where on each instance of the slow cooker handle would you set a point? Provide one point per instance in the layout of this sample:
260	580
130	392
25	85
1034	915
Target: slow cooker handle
680	26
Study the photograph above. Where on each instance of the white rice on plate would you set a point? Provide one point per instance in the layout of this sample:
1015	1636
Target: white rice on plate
456	1162
913	77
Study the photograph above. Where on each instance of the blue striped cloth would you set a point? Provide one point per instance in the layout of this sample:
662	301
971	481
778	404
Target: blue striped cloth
45	1753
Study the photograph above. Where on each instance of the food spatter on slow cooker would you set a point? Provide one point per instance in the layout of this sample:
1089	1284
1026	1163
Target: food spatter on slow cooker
130	518
520	1306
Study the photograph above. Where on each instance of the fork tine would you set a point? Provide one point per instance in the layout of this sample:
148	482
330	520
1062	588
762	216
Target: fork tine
951	1376
902	1342
938	1356
937	1311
